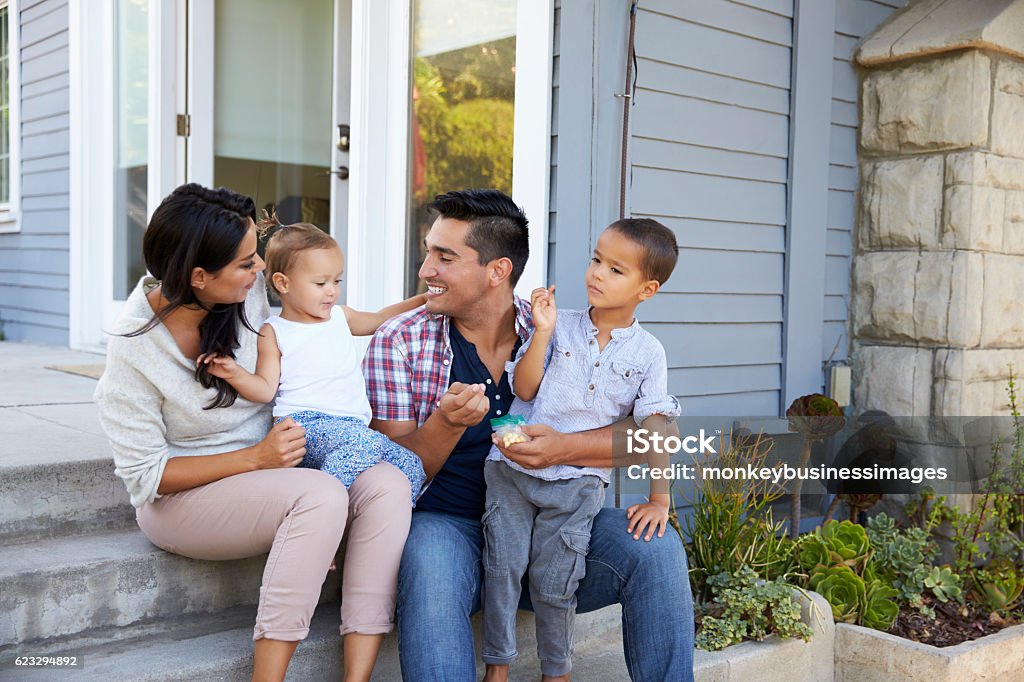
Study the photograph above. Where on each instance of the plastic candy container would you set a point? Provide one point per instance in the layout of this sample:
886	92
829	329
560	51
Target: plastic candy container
508	429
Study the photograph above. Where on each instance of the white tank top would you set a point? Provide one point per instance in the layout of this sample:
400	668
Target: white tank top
320	368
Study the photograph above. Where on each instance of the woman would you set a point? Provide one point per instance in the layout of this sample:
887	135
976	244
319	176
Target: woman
207	479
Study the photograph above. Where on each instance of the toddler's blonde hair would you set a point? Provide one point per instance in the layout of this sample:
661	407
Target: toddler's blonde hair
288	241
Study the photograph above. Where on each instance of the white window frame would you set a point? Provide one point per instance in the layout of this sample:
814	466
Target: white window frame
10	213
378	199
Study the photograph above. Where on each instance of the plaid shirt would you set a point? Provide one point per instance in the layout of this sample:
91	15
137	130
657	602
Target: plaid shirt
409	362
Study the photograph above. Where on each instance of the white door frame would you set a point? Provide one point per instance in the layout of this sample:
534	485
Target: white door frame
378	209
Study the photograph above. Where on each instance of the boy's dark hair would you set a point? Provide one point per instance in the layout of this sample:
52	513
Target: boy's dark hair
658	242
498	228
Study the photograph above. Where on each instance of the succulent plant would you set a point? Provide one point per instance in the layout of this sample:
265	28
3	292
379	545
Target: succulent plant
880	607
847	542
813	553
1000	585
944	583
815	416
843	589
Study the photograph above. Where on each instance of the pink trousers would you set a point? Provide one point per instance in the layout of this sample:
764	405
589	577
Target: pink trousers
299	516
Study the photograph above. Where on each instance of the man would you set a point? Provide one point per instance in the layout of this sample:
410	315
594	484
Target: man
435	378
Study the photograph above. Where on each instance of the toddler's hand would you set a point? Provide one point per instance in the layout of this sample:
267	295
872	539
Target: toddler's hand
652	516
221	366
544	311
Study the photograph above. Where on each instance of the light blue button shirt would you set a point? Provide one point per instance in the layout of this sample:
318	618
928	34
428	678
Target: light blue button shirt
585	387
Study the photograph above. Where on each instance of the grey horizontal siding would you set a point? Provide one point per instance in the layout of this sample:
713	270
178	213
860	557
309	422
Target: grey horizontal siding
34	263
709	158
553	178
854	20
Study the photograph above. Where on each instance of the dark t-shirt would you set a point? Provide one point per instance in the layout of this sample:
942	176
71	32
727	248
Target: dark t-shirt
458	488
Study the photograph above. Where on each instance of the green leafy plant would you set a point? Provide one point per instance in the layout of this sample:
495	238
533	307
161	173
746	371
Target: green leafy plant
730	524
944	583
746	607
843	589
815	417
880	608
999	585
902	557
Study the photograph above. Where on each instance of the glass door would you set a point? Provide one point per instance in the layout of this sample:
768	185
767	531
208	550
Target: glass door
247	94
274	133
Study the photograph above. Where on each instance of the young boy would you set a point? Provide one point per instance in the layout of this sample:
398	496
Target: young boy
581	370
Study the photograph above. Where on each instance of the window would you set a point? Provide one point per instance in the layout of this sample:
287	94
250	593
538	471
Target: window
10	163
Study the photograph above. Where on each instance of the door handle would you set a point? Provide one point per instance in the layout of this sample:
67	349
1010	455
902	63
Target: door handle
344	134
342	172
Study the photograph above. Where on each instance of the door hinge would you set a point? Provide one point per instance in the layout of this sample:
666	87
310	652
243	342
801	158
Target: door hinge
184	125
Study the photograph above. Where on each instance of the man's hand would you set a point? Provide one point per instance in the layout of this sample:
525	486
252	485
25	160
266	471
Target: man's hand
652	516
464	405
542	450
542	303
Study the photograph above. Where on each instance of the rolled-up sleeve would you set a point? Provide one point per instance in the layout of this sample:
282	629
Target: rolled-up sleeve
510	365
389	377
130	413
653	396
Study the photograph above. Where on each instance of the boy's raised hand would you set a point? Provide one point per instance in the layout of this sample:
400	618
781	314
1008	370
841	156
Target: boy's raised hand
544	310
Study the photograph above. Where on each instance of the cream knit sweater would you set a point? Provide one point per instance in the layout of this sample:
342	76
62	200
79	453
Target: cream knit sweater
151	406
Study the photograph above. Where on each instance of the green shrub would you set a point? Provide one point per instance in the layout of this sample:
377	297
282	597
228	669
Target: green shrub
745	608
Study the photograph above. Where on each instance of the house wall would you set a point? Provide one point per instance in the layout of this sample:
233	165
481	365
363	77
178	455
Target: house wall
34	263
709	152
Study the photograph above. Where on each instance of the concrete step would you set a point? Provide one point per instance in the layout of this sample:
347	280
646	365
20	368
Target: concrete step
68	585
57	474
219	647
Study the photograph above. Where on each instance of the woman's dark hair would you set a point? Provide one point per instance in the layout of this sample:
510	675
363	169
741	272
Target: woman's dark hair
199	227
497	227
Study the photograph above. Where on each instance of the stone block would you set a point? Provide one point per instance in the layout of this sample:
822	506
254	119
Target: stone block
883	301
895	379
919	297
902	202
973	381
1008	108
1002	308
1013	225
981	168
973	218
942	103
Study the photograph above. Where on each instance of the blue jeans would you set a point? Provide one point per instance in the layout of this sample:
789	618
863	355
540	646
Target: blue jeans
439	589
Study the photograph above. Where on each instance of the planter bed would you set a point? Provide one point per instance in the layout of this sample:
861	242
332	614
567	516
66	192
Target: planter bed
784	660
865	655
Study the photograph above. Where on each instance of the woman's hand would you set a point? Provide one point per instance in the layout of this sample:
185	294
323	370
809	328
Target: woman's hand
537	453
221	366
283	447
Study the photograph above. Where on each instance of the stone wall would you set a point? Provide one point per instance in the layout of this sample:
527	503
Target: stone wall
938	273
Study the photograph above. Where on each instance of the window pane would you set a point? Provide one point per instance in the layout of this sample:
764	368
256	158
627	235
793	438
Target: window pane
463	90
272	108
131	166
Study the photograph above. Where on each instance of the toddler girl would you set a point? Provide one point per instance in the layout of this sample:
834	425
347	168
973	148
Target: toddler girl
310	362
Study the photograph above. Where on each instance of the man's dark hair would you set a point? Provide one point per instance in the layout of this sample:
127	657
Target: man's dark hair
658	243
498	228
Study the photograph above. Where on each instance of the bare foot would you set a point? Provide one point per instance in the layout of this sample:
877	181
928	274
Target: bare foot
496	673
